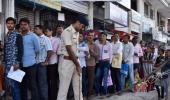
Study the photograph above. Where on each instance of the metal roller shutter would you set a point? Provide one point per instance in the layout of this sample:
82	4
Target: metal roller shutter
20	13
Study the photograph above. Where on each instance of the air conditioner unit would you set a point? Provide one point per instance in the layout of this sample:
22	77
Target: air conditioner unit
161	29
150	30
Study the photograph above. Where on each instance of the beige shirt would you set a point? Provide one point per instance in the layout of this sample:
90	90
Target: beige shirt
69	37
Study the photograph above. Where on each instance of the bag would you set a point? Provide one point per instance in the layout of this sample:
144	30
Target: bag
109	80
124	69
141	87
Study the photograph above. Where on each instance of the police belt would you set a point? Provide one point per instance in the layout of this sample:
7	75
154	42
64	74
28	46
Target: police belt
68	57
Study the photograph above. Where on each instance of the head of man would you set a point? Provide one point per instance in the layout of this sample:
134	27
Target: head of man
167	53
10	23
80	23
90	36
48	32
81	38
38	29
17	28
115	38
135	40
142	43
24	25
161	52
126	39
149	49
103	37
59	30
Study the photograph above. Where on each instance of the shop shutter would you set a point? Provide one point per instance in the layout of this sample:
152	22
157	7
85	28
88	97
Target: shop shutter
25	12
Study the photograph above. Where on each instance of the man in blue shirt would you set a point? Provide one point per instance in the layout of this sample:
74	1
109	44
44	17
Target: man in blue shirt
165	69
31	49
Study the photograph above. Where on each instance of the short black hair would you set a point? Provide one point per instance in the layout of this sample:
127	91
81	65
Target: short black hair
24	20
127	36
59	26
162	50
40	27
17	27
11	19
103	33
48	28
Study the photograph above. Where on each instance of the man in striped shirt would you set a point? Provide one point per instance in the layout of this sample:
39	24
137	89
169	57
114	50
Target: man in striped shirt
42	60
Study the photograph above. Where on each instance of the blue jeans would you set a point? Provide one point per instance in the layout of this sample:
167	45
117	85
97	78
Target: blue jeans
42	81
102	72
166	85
123	77
84	81
131	75
16	90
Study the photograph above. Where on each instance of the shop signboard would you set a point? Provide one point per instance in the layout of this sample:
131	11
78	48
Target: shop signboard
136	17
146	27
135	27
54	4
116	14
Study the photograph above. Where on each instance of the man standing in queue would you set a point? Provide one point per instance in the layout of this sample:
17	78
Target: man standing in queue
69	66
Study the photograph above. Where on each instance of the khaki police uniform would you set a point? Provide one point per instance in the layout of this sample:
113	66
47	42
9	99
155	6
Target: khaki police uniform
67	69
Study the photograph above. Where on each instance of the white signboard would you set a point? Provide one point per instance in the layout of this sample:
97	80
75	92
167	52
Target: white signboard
136	17
61	17
116	14
126	3
135	27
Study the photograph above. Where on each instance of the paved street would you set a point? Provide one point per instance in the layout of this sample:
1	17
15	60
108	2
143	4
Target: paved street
131	96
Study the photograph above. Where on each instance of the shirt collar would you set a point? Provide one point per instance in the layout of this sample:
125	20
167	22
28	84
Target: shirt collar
72	29
42	35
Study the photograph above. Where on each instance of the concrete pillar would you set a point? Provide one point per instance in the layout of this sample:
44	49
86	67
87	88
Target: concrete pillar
90	15
37	17
130	22
166	25
0	6
140	7
156	23
9	9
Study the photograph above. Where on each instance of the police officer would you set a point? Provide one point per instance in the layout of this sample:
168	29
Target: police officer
69	66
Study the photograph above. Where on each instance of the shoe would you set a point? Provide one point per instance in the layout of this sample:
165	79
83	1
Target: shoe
85	98
2	93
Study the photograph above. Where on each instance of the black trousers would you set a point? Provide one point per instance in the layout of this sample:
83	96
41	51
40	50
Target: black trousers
29	82
53	81
115	74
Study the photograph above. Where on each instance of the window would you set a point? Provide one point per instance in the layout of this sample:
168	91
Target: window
146	9
134	4
151	14
158	19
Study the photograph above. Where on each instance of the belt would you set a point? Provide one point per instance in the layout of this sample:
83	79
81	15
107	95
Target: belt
68	57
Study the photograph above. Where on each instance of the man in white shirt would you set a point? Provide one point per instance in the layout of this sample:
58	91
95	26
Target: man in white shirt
83	53
105	58
117	49
128	53
42	60
137	54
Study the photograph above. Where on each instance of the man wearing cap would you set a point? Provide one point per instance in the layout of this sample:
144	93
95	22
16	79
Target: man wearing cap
69	66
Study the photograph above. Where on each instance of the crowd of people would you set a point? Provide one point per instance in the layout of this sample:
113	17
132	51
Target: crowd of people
99	67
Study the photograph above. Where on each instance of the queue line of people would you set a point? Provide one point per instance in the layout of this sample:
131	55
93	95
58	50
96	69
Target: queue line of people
52	63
